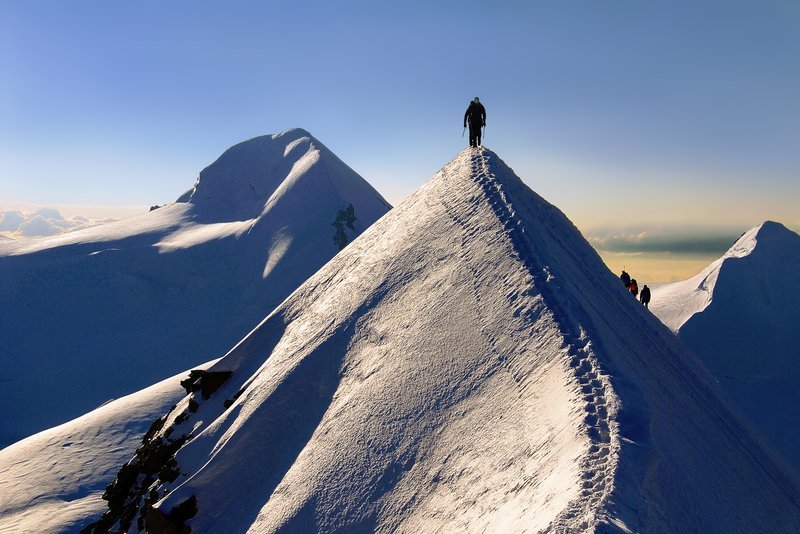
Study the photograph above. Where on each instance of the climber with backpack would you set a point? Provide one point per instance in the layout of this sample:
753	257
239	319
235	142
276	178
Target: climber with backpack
626	279
644	297
476	116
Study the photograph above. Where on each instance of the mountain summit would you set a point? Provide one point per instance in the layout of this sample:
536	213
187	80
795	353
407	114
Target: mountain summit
99	313
738	315
469	364
251	177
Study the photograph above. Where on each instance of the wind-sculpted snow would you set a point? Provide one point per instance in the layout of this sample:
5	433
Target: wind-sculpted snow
99	313
467	364
740	316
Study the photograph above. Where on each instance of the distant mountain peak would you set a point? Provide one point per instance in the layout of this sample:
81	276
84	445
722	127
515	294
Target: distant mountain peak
239	183
768	238
768	244
774	232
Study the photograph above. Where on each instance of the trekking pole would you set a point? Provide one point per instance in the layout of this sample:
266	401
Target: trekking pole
462	132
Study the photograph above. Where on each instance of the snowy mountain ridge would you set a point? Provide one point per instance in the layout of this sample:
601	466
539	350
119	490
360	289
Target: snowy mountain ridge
459	366
678	301
172	288
739	316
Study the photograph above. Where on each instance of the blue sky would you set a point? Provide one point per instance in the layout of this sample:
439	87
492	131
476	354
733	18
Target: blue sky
673	117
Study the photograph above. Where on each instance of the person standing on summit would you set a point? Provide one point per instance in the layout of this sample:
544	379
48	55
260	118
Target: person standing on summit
476	115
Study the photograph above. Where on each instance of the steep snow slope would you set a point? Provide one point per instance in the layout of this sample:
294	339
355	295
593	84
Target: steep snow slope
52	481
99	313
467	364
740	316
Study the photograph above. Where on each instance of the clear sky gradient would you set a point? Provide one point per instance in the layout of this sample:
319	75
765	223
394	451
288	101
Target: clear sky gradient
673	118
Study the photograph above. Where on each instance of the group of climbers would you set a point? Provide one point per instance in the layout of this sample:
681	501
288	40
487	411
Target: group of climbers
633	286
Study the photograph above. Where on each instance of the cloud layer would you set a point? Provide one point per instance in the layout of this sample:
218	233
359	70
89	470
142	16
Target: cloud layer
41	223
676	241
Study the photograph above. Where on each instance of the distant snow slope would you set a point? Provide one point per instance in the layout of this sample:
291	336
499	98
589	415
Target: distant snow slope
467	364
740	315
98	313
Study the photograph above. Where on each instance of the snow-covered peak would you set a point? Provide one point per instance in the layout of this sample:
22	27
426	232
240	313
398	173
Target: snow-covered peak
767	235
768	243
242	181
467	364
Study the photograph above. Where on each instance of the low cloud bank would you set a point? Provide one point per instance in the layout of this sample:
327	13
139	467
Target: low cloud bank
676	241
41	223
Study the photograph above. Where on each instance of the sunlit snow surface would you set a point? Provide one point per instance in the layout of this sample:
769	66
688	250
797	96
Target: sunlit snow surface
740	315
99	313
469	364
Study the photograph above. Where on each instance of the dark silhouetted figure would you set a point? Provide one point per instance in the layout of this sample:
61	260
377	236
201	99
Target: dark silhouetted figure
634	288
476	116
626	279
644	296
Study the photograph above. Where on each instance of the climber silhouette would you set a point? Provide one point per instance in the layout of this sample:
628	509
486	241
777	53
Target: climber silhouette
476	115
644	296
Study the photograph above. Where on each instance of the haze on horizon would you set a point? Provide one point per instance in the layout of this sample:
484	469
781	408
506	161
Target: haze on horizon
656	128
